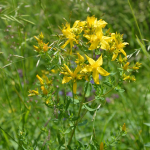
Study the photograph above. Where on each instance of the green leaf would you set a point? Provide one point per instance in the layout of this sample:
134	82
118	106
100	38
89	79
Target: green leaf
76	101
99	98
147	144
147	124
68	102
97	52
27	20
5	136
68	130
27	114
80	144
118	89
87	88
88	108
58	136
83	123
108	83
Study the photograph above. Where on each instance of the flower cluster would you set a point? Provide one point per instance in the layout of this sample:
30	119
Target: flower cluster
42	47
92	35
112	43
44	84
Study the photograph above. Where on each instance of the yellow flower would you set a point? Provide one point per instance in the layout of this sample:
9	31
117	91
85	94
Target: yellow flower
121	60
132	78
124	127
95	68
45	92
98	40
41	36
69	75
137	66
39	41
101	146
48	82
40	79
118	45
36	48
126	77
70	34
92	22
125	67
45	47
80	59
33	92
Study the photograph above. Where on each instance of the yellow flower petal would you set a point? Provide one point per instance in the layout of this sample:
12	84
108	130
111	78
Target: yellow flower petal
101	146
75	87
66	79
86	69
125	67
124	127
45	92
123	52
102	71
80	59
66	43
99	61
95	76
75	23
78	68
90	60
114	56
40	79
69	71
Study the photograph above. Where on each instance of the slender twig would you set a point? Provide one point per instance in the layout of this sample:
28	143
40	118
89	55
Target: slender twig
81	104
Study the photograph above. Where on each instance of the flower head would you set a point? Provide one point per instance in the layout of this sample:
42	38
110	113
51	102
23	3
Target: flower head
69	75
94	67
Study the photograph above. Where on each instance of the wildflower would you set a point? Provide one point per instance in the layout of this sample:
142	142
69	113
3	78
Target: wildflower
69	75
132	78
45	47
49	82
98	40
40	79
36	48
126	77
118	45
95	68
121	60
39	40
45	92
70	34
47	102
41	36
137	66
80	59
101	146
124	127
125	67
33	92
93	23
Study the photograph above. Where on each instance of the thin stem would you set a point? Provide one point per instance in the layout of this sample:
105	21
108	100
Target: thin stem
73	108
81	104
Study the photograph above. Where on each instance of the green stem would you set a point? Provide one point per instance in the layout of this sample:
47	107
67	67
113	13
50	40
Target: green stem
76	123
73	108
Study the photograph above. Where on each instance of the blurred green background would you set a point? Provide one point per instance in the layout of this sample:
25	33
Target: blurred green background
21	20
